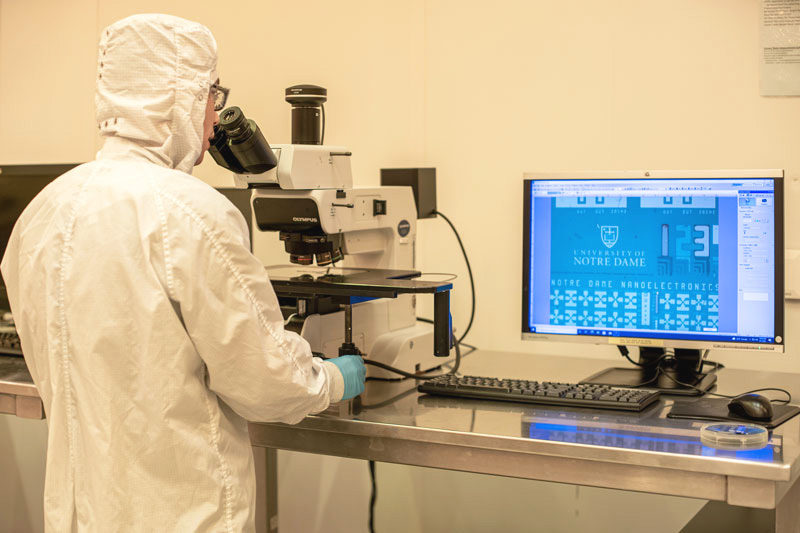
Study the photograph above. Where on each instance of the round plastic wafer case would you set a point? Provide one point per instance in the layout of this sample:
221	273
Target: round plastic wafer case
732	436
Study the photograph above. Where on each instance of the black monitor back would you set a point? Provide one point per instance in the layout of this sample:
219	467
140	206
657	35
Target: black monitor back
18	185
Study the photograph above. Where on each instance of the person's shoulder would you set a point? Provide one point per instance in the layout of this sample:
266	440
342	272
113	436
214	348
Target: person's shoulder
62	190
200	200
196	192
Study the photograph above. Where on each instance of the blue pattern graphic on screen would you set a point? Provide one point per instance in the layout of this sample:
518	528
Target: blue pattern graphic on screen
635	263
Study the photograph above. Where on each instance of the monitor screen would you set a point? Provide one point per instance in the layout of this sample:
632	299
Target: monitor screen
667	259
18	185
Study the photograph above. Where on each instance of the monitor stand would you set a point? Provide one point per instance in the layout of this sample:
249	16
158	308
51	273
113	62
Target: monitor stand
685	368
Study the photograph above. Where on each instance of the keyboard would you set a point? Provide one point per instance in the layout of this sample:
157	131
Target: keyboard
9	341
541	392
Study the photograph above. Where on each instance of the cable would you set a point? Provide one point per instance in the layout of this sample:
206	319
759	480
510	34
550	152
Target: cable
659	371
389	401
417	376
659	367
322	135
373	378
469	270
373	498
457	340
463	355
625	353
717	366
464	344
450	276
786	401
666	359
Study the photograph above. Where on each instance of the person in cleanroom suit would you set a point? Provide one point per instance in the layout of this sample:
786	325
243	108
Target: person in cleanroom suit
151	332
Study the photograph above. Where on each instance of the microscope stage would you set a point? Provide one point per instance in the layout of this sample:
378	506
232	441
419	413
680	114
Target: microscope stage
304	281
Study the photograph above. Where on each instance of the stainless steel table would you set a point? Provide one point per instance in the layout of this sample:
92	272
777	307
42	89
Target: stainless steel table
18	394
644	452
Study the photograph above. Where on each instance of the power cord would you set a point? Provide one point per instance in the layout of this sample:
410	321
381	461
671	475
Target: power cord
449	276
373	497
458	341
626	354
322	135
405	374
418	376
784	401
649	381
389	401
666	358
469	270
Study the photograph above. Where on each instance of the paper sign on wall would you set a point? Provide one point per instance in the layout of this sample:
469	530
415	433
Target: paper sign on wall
780	48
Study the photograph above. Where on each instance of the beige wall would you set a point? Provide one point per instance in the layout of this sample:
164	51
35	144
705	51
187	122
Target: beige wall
516	86
47	81
483	92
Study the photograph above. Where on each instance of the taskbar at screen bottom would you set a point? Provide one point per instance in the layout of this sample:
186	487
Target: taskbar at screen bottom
568	331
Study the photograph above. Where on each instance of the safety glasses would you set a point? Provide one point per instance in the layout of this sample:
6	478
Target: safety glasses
220	96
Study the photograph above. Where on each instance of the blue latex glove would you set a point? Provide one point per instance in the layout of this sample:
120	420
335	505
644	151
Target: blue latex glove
354	373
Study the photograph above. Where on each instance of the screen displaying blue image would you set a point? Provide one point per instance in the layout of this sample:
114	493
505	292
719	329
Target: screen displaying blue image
690	259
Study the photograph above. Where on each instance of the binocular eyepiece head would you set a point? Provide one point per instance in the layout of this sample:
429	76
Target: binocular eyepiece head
239	145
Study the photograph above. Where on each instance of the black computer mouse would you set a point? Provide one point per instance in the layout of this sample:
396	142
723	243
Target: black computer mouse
752	406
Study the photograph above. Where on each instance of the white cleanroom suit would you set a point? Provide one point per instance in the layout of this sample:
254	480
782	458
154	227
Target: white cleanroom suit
150	330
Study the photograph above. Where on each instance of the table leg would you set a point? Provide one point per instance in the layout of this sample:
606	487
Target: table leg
719	516
266	464
787	513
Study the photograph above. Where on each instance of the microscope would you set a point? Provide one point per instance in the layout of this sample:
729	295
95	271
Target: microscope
350	287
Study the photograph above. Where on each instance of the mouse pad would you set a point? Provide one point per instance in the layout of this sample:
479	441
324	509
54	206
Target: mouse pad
717	409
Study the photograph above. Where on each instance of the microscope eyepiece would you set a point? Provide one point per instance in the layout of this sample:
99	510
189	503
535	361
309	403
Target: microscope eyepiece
235	125
238	144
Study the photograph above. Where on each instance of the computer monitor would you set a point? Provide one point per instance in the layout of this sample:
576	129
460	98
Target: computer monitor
688	260
18	185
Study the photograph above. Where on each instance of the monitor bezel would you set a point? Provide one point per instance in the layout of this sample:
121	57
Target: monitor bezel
776	174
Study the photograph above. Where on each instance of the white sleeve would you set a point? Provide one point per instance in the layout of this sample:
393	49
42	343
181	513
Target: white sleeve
232	315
